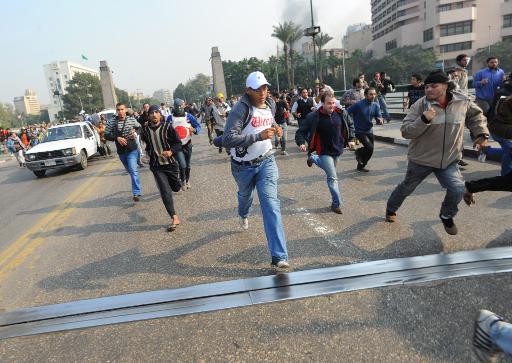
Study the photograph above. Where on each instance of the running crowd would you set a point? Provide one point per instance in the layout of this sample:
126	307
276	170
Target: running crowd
250	129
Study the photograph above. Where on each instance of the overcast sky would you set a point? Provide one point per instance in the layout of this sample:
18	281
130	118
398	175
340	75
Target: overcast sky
150	44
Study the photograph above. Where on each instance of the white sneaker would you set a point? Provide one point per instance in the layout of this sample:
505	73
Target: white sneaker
188	185
244	223
280	265
284	153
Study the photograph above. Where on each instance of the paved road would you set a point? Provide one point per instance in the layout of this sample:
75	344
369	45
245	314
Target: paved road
76	235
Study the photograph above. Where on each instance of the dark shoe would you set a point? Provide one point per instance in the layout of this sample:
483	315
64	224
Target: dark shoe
360	167
449	225
336	210
220	150
462	163
136	198
309	162
141	165
483	345
390	217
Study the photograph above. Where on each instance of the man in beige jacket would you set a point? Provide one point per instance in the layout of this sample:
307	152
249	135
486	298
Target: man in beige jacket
435	126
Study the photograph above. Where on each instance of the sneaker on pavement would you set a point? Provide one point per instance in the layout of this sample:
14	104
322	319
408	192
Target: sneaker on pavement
284	153
462	163
483	345
244	223
390	217
188	185
136	198
280	265
449	225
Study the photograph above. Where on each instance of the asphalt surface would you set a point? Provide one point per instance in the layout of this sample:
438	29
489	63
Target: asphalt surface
77	234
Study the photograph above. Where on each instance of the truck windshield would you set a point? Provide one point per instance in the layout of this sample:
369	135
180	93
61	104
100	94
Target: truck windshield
62	133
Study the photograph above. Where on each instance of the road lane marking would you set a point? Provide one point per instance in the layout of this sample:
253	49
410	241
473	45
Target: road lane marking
20	249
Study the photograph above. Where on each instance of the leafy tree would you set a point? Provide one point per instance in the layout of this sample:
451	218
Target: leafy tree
500	50
8	116
195	90
83	92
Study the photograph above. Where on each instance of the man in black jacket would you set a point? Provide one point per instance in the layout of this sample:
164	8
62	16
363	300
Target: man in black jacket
162	143
328	132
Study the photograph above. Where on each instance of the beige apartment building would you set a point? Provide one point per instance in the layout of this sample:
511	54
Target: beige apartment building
27	104
357	36
448	27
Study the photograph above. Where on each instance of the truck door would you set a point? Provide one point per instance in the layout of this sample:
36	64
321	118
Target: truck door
90	140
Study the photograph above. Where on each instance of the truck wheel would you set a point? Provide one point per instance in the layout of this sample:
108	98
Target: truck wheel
83	160
39	173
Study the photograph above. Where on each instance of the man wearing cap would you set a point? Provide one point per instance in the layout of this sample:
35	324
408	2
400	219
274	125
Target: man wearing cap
435	126
248	135
162	144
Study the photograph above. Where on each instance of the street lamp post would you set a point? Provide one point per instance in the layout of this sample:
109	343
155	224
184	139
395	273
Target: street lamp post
312	32
57	93
228	76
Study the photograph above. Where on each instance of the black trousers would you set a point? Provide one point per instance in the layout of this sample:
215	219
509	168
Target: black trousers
364	153
168	181
219	133
497	183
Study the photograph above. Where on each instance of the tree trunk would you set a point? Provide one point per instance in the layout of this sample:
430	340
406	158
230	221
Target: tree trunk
287	64
292	68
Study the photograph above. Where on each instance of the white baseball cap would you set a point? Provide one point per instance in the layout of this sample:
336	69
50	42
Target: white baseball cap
255	80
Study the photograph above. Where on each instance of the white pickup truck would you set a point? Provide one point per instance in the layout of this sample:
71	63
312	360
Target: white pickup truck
64	145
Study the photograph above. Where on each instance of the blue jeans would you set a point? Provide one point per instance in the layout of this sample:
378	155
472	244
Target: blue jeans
449	178
328	164
264	177
384	107
501	335
283	138
506	158
129	161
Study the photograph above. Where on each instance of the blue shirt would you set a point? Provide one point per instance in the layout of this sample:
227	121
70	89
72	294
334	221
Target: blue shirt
487	91
363	113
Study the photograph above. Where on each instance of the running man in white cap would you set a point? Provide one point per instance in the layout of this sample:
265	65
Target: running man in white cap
248	136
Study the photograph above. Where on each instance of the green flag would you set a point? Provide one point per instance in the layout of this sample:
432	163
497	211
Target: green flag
84	57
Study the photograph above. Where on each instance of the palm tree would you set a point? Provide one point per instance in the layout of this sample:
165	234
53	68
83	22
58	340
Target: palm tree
282	33
295	35
321	40
287	33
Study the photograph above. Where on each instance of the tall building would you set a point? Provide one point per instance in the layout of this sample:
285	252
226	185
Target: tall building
357	36
163	95
57	75
27	104
447	27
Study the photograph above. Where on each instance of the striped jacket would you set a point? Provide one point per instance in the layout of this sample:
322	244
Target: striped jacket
120	128
161	138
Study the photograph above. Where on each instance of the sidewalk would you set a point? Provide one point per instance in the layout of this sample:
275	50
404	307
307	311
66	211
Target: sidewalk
391	133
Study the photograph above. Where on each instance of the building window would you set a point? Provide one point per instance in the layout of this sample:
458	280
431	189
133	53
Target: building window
507	21
461	27
507	38
400	13
390	45
428	35
448	7
455	47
